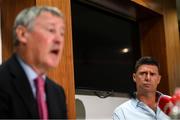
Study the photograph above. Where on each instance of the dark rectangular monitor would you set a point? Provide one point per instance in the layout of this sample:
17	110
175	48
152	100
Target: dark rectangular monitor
105	48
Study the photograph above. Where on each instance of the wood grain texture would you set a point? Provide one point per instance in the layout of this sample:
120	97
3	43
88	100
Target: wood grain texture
160	38
155	5
153	44
172	43
10	9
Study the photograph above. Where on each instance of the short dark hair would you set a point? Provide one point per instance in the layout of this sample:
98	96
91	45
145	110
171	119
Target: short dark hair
146	60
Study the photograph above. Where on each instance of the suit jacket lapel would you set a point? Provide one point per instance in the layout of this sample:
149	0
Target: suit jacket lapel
55	101
51	99
22	86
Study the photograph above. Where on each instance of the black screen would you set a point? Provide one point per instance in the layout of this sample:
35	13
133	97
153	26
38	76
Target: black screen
98	39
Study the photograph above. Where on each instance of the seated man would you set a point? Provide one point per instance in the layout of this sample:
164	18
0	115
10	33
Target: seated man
144	104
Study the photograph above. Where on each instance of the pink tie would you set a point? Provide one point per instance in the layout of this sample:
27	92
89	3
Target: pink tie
40	96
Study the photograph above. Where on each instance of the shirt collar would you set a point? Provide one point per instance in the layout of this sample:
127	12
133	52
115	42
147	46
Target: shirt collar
30	73
137	102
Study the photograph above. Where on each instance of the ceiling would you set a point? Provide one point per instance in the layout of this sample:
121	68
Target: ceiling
114	6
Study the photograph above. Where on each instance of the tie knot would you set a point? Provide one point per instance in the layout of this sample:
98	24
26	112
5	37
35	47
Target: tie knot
39	82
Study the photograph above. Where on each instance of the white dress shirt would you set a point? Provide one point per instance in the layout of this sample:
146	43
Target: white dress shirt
134	109
30	73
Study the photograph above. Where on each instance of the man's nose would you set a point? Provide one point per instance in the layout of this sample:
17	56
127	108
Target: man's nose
148	76
58	38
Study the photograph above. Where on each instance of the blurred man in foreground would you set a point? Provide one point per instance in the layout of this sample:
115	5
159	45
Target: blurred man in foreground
25	90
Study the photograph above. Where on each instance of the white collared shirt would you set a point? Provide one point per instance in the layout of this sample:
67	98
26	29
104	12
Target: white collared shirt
30	73
134	109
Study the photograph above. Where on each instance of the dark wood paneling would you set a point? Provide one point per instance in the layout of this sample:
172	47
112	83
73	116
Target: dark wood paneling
160	39
172	43
10	9
154	5
153	44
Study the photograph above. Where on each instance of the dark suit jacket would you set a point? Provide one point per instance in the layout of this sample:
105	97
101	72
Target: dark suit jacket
16	97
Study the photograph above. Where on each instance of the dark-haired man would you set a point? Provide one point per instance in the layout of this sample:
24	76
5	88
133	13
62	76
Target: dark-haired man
144	105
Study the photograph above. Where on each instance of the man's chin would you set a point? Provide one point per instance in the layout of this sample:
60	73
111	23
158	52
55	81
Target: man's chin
53	64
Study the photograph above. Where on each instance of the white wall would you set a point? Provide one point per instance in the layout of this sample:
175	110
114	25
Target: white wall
98	108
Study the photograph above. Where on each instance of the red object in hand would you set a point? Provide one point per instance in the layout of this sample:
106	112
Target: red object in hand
176	96
166	104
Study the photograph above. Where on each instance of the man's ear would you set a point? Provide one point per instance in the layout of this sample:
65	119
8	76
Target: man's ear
22	32
134	77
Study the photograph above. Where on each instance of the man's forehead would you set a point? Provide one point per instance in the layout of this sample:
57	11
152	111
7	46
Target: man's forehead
147	68
49	19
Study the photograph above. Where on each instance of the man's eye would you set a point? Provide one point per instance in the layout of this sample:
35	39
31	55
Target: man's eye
142	73
153	74
51	30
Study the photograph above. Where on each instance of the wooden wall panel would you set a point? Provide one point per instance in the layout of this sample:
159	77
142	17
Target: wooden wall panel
10	8
155	5
160	38
153	44
172	43
64	73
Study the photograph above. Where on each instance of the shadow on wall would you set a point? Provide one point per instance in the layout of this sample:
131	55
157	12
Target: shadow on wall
80	110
